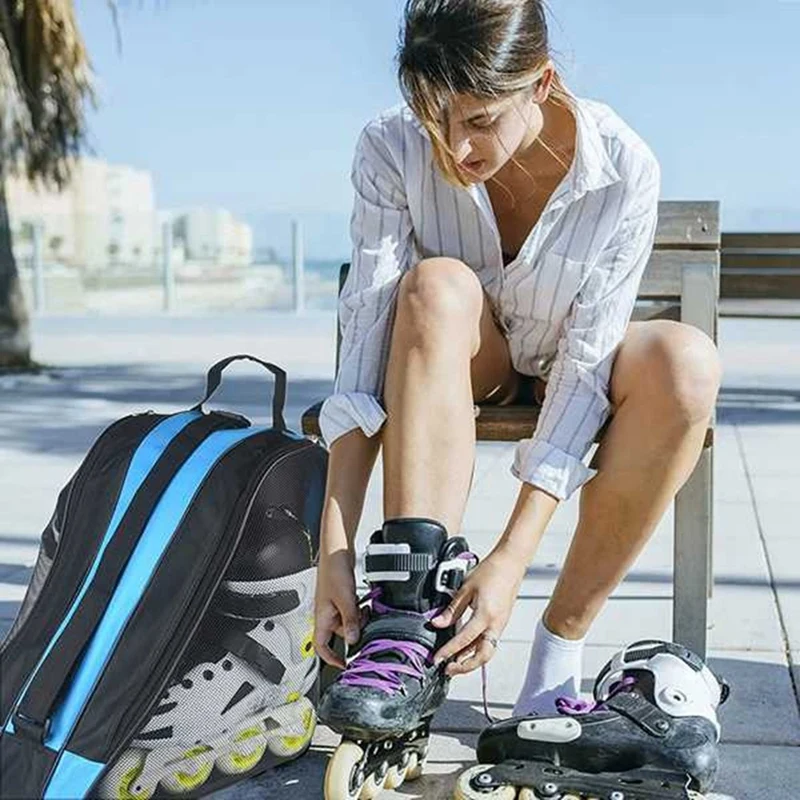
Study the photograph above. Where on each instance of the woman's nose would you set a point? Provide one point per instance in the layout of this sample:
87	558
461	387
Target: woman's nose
462	150
461	145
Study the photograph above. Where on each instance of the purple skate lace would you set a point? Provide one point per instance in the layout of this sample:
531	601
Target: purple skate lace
572	705
386	676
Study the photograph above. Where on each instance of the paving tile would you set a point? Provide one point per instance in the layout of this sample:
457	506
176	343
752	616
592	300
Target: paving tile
780	520
759	773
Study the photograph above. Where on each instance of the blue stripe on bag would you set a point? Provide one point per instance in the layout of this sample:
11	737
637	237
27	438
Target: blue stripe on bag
145	457
76	777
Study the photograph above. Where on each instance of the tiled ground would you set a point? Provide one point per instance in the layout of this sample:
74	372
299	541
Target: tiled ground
113	367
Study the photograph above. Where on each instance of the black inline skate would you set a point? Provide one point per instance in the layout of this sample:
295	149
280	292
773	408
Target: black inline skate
383	701
651	734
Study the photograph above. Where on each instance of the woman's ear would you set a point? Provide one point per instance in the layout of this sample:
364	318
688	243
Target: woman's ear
541	89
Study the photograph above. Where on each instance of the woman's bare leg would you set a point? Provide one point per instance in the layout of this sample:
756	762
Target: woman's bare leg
446	352
664	386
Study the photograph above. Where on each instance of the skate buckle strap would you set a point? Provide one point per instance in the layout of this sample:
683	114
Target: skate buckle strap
394	562
637	708
450	574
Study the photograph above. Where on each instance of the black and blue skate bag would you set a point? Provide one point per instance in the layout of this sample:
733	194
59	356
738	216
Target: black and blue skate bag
164	642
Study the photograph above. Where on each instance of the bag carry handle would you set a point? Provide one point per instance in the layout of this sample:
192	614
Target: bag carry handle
278	400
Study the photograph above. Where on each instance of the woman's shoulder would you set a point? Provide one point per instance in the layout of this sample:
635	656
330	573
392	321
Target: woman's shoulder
393	136
630	154
396	125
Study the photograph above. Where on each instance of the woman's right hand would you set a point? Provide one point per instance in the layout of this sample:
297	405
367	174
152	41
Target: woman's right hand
335	604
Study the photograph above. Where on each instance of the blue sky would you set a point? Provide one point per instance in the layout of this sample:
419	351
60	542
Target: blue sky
255	105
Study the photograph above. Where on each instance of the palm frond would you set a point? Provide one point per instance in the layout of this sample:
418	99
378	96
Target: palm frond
46	81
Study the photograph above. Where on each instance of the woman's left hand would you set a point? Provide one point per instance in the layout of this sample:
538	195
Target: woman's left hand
490	590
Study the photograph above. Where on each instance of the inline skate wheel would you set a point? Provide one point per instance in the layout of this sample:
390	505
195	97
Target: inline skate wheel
123	781
201	762
416	765
247	749
465	791
288	746
398	773
374	784
344	777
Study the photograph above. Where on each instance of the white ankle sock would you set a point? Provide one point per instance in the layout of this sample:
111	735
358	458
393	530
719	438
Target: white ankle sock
554	670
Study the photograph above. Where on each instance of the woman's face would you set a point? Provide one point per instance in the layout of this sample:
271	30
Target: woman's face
485	134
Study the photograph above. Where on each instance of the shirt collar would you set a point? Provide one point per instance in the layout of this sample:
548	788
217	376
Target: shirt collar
591	169
594	168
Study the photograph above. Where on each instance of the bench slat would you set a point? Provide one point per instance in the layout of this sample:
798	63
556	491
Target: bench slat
761	241
784	285
692	225
494	423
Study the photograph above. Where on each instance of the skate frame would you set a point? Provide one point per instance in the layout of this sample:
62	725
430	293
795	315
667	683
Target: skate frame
681	282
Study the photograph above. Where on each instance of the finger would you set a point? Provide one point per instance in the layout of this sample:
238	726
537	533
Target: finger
327	622
322	636
482	654
456	608
328	655
469	633
351	626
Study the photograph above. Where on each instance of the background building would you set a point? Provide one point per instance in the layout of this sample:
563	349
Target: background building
106	220
105	216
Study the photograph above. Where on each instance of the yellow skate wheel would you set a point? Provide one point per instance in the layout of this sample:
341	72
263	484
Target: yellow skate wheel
464	790
246	750
122	781
289	746
343	777
187	780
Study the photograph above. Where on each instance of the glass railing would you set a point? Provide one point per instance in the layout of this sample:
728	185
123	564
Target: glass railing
91	267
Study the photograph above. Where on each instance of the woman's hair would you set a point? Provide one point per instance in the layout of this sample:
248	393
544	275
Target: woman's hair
484	48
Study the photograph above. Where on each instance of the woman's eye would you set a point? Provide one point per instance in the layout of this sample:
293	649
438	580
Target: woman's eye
484	123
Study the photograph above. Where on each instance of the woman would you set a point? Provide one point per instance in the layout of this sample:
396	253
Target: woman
500	231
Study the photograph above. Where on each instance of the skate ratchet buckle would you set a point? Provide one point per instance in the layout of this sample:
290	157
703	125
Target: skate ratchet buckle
549	781
450	575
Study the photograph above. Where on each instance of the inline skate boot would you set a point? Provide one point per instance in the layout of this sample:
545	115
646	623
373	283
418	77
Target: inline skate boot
651	734
240	689
382	703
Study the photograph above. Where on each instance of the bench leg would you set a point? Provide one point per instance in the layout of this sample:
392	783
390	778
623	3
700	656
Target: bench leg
711	523
693	531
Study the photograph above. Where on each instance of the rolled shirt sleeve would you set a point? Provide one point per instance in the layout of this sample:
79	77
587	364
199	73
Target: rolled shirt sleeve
382	250
576	402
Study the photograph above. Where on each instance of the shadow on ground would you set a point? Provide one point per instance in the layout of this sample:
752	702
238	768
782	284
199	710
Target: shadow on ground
91	398
758	406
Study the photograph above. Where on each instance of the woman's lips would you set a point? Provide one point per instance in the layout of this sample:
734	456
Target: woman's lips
474	166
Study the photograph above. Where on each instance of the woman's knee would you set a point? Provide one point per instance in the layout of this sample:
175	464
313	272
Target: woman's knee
683	369
440	293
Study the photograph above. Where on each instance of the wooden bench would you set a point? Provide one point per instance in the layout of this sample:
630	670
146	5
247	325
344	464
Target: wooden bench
760	275
681	282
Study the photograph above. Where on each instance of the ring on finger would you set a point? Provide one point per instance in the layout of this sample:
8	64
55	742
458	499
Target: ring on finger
491	638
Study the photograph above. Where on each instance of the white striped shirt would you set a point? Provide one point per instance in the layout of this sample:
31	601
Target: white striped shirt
567	296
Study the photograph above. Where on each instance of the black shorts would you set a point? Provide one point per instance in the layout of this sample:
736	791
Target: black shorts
530	391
